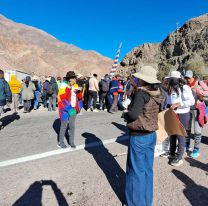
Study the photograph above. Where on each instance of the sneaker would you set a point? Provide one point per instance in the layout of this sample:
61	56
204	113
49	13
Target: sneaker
95	110
62	146
188	149
112	112
195	153
105	110
165	155
89	110
176	162
73	146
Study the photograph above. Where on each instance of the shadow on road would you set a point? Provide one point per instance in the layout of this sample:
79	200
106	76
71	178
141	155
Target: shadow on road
198	164
57	126
121	127
197	195
6	120
204	140
107	163
33	196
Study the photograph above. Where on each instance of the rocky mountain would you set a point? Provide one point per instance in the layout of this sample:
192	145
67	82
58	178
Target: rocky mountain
188	43
32	50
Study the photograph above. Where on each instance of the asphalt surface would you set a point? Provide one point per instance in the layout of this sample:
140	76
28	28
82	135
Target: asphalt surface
37	132
92	176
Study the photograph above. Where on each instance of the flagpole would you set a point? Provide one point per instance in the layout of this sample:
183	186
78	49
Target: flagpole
115	62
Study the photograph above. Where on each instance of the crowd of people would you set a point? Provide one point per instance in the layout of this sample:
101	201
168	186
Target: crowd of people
104	95
140	96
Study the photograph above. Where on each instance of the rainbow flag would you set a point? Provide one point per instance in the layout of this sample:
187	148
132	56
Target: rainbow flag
115	63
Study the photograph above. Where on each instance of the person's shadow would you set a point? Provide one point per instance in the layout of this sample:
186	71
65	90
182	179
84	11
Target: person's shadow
57	126
33	196
6	120
107	163
121	127
204	140
197	195
198	164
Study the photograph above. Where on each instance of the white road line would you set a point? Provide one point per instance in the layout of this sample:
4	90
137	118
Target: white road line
58	151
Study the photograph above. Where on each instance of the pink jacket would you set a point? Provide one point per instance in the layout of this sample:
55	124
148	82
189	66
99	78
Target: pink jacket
200	105
200	88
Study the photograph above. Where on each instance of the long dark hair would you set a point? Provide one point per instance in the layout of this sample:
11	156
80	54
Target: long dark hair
150	87
175	85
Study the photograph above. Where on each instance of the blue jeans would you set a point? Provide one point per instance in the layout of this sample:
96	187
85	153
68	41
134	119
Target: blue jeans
36	101
139	174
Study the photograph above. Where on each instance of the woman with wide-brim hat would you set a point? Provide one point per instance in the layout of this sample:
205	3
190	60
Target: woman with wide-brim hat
142	121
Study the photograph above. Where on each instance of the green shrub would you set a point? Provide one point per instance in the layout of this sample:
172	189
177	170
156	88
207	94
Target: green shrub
196	66
163	71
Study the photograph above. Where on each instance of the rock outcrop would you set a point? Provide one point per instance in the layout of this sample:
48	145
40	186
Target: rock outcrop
188	43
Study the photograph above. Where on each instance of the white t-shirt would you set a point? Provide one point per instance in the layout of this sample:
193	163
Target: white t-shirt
73	97
186	99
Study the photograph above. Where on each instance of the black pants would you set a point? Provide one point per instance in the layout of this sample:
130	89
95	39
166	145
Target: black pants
103	100
92	95
184	119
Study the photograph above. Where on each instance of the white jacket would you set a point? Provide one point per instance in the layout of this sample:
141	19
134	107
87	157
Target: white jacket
186	99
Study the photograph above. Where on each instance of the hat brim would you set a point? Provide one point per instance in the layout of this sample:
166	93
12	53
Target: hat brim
188	76
71	77
148	79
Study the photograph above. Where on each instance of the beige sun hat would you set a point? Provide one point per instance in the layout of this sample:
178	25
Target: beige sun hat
147	74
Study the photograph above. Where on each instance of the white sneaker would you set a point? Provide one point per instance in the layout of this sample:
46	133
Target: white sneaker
105	110
95	110
89	110
176	162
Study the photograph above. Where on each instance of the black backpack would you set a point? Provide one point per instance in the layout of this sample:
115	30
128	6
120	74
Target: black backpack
105	86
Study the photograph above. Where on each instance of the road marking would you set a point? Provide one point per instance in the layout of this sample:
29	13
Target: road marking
59	151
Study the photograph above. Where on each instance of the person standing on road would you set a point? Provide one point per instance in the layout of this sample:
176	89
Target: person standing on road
113	94
197	113
27	89
15	86
142	121
46	86
93	93
5	94
58	81
69	105
180	98
52	93
104	86
37	92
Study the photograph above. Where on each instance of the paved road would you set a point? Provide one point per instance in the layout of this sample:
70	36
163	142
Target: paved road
92	176
37	132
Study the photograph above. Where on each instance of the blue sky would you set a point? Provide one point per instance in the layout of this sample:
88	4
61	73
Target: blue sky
102	25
